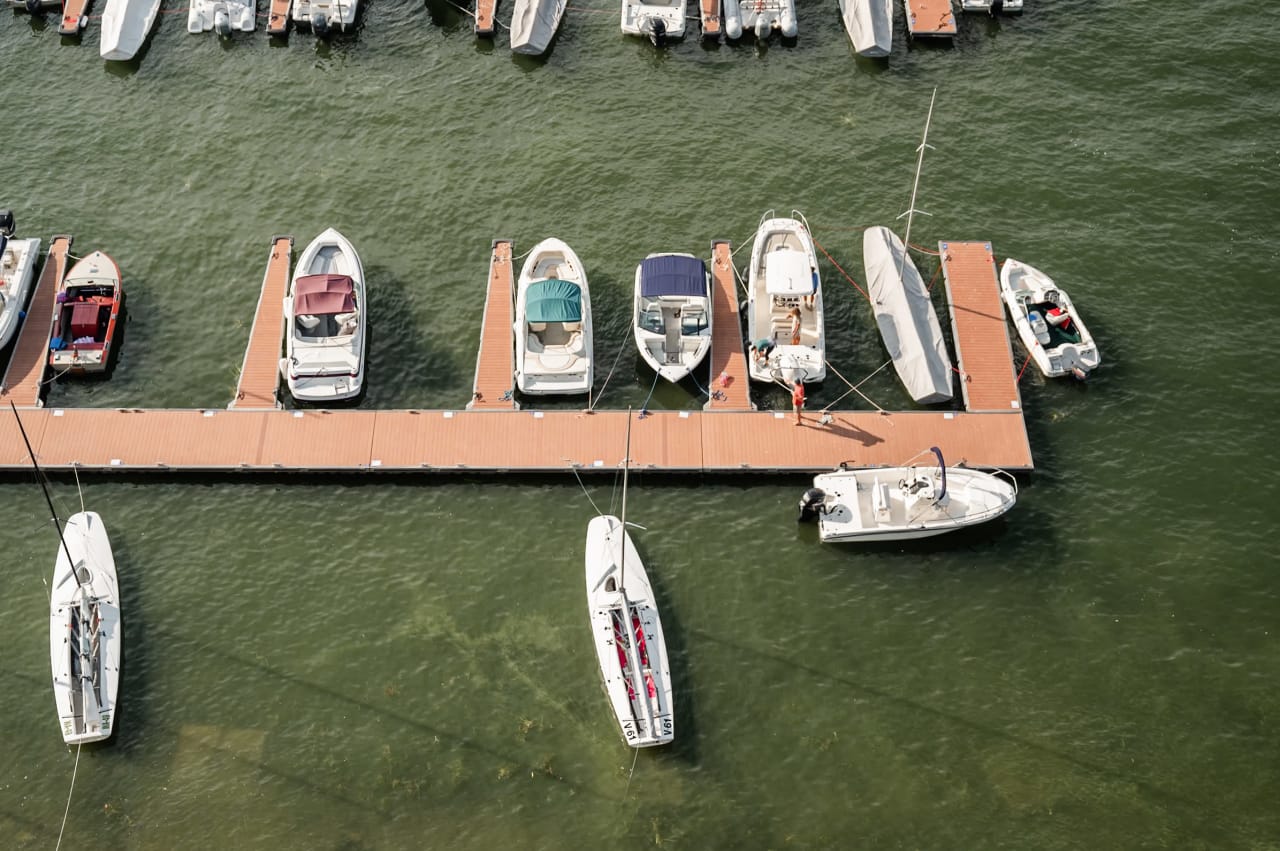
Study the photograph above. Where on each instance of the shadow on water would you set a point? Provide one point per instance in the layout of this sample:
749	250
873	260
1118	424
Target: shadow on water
135	657
685	747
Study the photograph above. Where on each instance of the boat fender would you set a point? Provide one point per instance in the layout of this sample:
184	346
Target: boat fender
812	504
787	23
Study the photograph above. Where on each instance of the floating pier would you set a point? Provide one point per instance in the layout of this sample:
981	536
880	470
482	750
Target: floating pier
259	382
278	21
485	11
729	383
75	14
494	384
711	20
25	373
930	18
983	355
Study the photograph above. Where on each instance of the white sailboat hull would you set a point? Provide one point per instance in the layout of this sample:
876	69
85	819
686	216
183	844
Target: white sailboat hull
125	24
86	669
555	359
1047	322
17	271
869	24
326	368
534	24
783	275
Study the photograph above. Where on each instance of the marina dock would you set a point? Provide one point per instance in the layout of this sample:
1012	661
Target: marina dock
485	11
75	14
711	20
278	20
488	434
930	18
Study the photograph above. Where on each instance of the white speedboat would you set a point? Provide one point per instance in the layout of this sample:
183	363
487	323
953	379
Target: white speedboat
671	313
125	24
898	503
991	6
17	271
222	16
657	19
784	304
324	317
534	24
906	318
869	24
85	631
324	16
761	17
627	631
1047	322
87	311
553	323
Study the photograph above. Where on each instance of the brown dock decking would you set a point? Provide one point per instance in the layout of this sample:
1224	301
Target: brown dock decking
259	383
24	376
495	362
485	10
75	14
983	355
931	18
730	385
710	18
278	22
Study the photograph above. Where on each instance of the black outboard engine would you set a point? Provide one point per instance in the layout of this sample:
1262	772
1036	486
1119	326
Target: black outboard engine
6	223
320	24
34	7
658	32
812	504
997	6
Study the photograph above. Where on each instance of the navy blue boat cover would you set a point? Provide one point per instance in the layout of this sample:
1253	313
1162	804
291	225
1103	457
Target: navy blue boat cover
673	275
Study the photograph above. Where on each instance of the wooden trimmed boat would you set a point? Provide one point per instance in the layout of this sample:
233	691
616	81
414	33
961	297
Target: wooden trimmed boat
87	316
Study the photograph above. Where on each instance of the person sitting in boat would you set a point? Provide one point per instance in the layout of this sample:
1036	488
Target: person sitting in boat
761	349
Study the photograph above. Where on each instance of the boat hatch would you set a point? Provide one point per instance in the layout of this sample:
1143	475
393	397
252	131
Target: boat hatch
787	272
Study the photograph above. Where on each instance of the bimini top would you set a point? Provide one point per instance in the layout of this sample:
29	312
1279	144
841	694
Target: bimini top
553	300
673	275
323	294
787	272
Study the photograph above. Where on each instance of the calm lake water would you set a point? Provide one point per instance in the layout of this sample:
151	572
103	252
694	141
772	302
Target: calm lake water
404	662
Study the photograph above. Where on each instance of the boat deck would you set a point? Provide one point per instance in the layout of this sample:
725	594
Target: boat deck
24	376
930	18
485	12
494	384
983	354
75	14
278	20
730	387
259	383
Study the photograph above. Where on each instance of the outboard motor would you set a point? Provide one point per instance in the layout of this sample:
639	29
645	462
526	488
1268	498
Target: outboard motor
997	6
658	32
762	27
34	7
6	223
812	504
319	23
222	22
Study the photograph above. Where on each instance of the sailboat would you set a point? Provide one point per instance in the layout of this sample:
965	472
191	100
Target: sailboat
85	630
626	629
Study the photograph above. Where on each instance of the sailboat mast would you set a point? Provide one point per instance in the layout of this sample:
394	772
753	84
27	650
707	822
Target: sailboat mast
56	522
626	466
915	186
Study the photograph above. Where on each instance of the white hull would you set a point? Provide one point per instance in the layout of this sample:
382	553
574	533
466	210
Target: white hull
222	15
534	24
94	271
85	632
638	18
761	17
1047	322
672	331
633	660
328	367
17	271
125	24
906	318
869	24
325	14
783	275
901	503
553	357
988	5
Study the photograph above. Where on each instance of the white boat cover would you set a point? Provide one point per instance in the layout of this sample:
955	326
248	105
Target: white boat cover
869	24
534	24
125	24
908	323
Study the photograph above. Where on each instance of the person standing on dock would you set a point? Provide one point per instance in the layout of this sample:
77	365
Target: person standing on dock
797	399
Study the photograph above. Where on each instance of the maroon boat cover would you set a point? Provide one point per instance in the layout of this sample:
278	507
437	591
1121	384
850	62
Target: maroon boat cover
323	294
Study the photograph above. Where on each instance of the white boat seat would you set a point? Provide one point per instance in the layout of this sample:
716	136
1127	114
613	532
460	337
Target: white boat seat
533	344
537	327
880	499
571	327
574	346
308	322
347	323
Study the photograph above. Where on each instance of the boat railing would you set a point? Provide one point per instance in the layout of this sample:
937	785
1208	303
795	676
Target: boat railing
799	216
1007	475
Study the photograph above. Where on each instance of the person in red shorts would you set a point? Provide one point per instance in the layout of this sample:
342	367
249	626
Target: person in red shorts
797	398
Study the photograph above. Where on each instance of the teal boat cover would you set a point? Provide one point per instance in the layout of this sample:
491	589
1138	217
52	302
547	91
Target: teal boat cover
553	301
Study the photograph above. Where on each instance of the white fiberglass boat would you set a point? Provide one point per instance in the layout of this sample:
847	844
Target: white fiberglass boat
656	19
627	631
1047	322
125	24
869	24
898	503
991	6
553	322
671	313
87	316
784	304
761	17
325	15
222	16
906	318
324	318
17	271
534	24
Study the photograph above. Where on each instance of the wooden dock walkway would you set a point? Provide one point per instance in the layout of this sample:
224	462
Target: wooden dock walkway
983	354
24	376
485	12
711	20
75	14
494	384
278	21
930	18
730	384
259	382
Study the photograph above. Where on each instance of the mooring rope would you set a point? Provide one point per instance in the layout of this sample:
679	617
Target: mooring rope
644	409
841	270
591	406
632	773
69	793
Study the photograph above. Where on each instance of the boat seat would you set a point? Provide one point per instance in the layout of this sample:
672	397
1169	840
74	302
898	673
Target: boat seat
533	345
347	323
537	327
574	346
307	321
880	499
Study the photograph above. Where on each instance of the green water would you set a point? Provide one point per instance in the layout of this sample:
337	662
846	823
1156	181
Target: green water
388	663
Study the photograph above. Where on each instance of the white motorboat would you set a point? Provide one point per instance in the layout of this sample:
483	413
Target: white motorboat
906	318
17	271
761	17
534	24
991	6
553	322
898	503
657	19
222	16
325	16
671	313
1048	323
784	304
627	631
125	24
870	25
87	316
324	318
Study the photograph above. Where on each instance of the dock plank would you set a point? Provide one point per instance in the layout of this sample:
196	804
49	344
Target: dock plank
259	382
75	14
485	12
494	383
278	20
730	387
983	354
24	376
930	18
711	20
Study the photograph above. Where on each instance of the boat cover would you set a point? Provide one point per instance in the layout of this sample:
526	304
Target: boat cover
323	294
673	276
787	272
533	23
553	300
906	317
